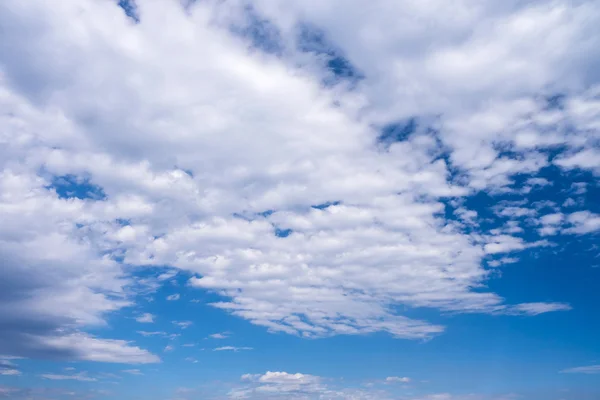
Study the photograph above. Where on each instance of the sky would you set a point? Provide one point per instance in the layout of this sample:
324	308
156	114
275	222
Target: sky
299	199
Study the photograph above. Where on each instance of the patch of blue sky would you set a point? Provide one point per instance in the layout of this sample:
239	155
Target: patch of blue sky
130	9
72	186
311	39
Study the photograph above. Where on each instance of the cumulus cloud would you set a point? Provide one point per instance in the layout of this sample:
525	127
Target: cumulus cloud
271	188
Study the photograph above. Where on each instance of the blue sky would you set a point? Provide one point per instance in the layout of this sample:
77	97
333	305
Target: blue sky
299	200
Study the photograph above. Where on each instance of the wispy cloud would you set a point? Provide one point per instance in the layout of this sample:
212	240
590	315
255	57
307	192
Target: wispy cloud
221	335
82	376
232	348
589	369
397	379
133	371
183	324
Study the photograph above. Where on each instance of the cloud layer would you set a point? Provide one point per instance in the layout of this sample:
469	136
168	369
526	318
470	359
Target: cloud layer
267	176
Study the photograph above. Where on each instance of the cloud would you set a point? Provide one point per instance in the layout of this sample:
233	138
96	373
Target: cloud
87	348
278	383
133	371
77	377
269	187
183	324
173	297
146	318
540	308
397	379
222	335
7	367
590	369
284	385
583	222
156	333
232	348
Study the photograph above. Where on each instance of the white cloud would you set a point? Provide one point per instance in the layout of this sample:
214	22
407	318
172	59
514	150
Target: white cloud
77	377
146	318
133	371
8	371
221	335
590	369
284	385
7	367
232	348
83	347
540	308
183	324
583	222
278	383
173	297
505	243
397	379
585	159
194	159
156	333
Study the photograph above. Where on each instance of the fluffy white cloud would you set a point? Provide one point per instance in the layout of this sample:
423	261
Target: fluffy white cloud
271	188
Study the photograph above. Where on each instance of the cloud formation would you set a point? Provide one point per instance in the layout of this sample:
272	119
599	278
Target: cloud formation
174	142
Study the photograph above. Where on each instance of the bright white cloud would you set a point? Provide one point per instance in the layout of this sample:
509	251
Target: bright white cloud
216	157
